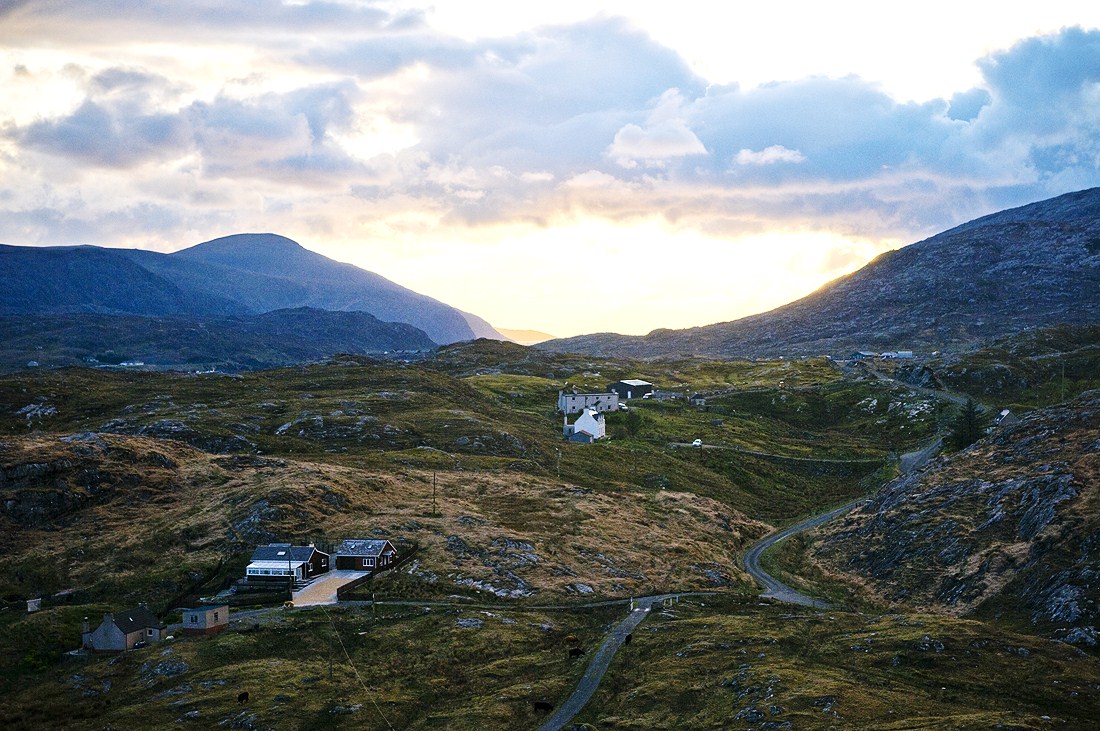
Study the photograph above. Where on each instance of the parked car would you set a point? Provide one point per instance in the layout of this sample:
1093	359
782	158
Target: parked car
697	443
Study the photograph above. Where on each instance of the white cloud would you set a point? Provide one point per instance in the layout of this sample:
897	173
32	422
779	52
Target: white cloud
665	136
769	156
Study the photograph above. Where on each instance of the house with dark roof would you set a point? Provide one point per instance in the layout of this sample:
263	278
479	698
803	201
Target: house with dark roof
121	631
362	554
279	560
697	399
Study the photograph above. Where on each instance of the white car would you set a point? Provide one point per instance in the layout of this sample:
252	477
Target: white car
697	443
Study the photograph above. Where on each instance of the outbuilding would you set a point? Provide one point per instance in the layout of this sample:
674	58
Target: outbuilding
206	620
630	388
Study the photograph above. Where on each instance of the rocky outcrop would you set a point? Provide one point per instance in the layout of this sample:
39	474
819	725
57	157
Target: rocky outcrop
44	485
1007	526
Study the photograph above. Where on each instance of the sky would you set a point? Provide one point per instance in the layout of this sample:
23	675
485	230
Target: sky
574	168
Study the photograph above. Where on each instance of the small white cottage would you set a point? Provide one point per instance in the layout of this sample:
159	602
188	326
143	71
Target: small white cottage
588	427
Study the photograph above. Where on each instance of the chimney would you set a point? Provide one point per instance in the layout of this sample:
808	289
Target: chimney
108	618
85	628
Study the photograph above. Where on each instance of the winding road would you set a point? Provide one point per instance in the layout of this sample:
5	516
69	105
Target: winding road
773	587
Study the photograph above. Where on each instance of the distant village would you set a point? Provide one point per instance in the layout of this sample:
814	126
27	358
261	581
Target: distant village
589	424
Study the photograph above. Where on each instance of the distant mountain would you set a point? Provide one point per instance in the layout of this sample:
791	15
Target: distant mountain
241	274
525	337
1032	266
227	342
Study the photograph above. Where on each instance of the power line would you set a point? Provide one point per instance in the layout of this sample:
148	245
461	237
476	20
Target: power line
354	669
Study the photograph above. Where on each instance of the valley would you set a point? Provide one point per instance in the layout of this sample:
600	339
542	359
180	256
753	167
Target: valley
130	486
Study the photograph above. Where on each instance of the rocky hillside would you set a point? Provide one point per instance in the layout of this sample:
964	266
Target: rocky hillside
1009	527
235	275
1033	266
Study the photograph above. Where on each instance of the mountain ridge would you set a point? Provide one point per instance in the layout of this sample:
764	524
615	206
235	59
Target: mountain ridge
1031	266
240	274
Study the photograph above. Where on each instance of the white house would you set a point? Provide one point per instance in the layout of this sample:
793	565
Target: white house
588	427
571	402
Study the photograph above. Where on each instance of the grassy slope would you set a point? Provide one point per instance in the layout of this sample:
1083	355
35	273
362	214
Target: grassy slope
420	668
710	666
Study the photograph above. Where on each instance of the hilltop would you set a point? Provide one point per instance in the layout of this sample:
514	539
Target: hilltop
1033	266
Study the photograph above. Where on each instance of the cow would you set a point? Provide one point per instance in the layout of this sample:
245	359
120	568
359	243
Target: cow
575	652
242	697
628	638
571	639
543	707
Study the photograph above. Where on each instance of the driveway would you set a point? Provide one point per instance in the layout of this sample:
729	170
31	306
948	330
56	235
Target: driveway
323	590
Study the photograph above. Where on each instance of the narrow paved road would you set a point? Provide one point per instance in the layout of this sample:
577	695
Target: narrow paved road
773	587
594	673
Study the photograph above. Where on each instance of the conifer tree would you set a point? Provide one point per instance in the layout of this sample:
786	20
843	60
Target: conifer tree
968	426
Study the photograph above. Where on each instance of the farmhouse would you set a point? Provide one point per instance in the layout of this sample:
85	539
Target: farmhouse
697	399
277	560
357	554
206	620
571	402
122	631
630	388
588	427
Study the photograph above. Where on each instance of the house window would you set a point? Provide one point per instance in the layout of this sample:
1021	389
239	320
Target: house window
149	632
368	562
215	616
194	619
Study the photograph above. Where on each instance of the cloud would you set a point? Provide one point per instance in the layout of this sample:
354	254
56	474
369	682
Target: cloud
666	135
768	156
590	119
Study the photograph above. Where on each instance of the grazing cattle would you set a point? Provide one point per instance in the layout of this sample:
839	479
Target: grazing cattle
243	697
575	652
571	639
543	707
628	638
